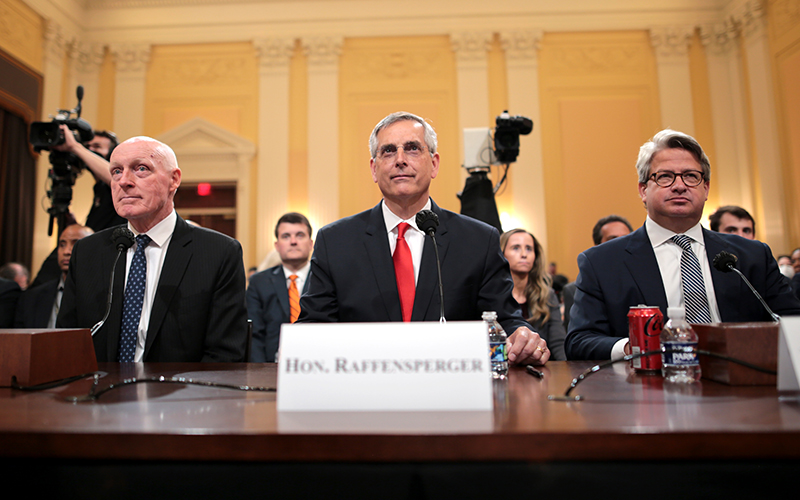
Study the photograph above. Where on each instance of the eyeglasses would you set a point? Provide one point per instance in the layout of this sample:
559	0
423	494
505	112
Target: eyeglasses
412	149
665	179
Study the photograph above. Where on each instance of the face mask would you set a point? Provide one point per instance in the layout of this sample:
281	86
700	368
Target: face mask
787	270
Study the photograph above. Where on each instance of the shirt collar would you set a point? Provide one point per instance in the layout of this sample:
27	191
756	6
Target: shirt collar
659	235
161	232
392	220
301	273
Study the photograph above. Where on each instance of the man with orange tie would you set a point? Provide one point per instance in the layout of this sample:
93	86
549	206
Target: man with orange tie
273	297
379	266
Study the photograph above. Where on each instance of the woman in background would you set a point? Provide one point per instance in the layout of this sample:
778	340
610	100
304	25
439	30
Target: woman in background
532	289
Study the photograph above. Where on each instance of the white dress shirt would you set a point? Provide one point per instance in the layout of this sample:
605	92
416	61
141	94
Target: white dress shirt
161	235
302	276
414	236
668	255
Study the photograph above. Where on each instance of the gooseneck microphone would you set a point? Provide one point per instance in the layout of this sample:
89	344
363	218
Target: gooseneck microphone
726	262
428	222
122	237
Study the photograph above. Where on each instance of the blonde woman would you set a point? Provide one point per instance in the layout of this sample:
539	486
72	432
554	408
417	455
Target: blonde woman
532	289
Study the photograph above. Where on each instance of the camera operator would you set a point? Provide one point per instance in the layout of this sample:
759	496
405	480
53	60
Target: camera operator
95	156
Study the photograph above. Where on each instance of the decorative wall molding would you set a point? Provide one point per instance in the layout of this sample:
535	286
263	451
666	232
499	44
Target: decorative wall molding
783	15
471	45
131	58
322	50
56	43
671	41
749	17
274	52
719	38
521	44
88	56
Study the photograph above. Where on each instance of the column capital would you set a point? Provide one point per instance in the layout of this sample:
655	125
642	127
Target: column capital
322	50
274	52
88	56
131	58
671	41
719	38
56	43
471	45
749	17
521	44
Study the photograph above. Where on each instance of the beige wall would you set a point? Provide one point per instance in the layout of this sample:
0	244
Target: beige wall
598	80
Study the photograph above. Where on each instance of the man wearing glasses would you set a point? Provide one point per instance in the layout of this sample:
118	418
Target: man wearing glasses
378	266
668	261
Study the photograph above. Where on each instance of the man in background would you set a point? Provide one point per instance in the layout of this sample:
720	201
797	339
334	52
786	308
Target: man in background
731	219
38	306
273	297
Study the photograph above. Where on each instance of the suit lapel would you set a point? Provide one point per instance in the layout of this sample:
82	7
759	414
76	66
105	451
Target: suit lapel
179	254
376	244
114	322
278	280
426	296
643	267
725	284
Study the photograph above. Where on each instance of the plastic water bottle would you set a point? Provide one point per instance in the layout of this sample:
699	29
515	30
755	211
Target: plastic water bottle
498	355
681	365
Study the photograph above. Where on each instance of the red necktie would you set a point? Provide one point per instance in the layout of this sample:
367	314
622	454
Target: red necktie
404	272
294	300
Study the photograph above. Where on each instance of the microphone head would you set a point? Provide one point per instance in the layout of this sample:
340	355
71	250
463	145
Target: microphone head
122	238
427	221
725	261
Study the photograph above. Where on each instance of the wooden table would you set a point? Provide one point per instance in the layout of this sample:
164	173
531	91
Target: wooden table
629	425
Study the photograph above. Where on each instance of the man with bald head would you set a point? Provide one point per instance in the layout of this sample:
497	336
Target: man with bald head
178	290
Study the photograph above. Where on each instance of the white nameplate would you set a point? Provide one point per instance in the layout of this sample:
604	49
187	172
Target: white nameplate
420	366
789	354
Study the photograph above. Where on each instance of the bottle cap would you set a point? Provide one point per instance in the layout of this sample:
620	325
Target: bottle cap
676	313
489	315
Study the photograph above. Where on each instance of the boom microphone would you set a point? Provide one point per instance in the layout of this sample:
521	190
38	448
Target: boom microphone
428	222
726	262
122	237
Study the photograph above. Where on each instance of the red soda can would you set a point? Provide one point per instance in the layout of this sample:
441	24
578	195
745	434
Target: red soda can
644	328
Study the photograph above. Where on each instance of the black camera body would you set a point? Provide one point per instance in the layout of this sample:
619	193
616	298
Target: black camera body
45	135
506	136
65	166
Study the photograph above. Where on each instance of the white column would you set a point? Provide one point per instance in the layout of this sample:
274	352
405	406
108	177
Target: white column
323	127
472	75
767	155
272	185
730	168
671	46
131	61
56	45
522	68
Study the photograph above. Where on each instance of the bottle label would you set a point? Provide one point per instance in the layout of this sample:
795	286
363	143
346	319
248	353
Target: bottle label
680	353
497	352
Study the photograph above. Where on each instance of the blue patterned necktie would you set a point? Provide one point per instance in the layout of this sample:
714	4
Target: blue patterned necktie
134	298
694	288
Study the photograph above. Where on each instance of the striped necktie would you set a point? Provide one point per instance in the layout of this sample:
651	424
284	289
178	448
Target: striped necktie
694	288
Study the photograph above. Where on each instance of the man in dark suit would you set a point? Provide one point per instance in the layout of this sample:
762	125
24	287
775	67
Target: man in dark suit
38	306
646	266
179	290
378	266
272	291
9	296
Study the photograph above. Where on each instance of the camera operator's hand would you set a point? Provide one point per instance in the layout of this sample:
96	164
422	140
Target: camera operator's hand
97	164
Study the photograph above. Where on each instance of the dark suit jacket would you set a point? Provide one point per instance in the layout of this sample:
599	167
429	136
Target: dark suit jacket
198	313
624	272
352	274
36	305
268	307
9	296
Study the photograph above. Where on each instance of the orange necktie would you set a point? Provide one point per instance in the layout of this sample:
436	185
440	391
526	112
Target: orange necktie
294	300
404	272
